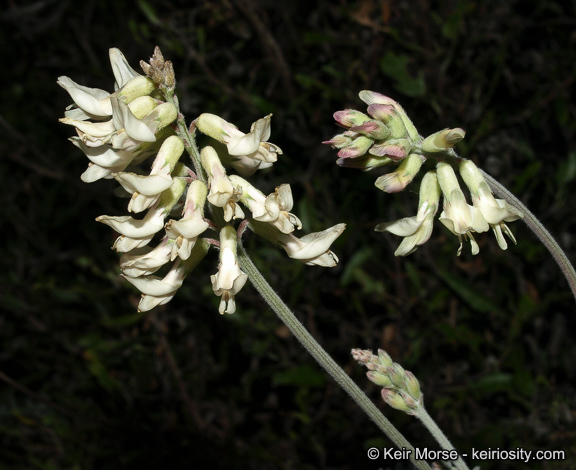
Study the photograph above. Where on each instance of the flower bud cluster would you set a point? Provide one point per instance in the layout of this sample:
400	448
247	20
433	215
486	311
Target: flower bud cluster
120	130
387	136
400	389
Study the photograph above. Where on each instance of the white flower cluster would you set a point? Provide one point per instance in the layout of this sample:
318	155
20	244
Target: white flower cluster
119	130
461	218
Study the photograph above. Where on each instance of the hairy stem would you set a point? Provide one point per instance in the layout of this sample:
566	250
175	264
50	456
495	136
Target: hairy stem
322	357
440	437
541	232
188	139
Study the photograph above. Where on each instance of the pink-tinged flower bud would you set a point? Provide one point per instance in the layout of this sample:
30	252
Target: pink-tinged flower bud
396	149
350	118
396	374
374	129
379	379
358	147
371	97
442	140
384	358
395	400
339	141
391	117
398	180
363	356
412	385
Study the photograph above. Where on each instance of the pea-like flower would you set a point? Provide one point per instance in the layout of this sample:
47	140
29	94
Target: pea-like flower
229	279
495	211
159	291
311	249
251	151
458	216
416	230
273	208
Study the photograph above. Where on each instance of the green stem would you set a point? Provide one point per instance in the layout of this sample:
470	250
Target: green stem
541	232
188	139
322	357
440	437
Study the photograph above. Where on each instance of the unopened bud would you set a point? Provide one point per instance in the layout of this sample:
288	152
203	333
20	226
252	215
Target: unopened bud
339	141
373	129
442	140
398	180
164	114
412	385
142	106
358	147
396	149
379	379
138	86
364	163
395	400
396	374
350	118
169	77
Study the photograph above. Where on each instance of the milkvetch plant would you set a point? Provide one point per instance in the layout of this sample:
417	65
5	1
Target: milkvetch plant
179	208
181	211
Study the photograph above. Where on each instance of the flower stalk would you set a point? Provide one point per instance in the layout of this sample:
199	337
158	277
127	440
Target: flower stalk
322	357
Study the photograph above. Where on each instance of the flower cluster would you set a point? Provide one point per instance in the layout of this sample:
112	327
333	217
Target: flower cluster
120	130
400	389
387	136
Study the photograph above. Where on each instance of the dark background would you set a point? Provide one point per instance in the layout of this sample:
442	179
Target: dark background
87	383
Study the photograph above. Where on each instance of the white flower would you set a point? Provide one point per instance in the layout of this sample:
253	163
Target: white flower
159	291
458	216
273	208
93	101
416	229
146	189
229	279
222	192
146	260
311	249
462	219
134	233
494	211
252	146
123	73
186	230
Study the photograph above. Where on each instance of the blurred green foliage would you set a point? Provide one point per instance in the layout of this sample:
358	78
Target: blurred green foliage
87	383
